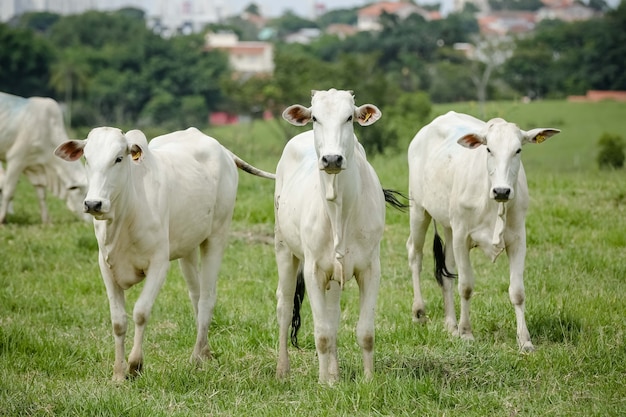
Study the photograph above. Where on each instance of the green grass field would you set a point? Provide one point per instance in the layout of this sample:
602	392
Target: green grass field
56	344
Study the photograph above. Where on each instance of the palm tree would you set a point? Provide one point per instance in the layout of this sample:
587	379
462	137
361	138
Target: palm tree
69	76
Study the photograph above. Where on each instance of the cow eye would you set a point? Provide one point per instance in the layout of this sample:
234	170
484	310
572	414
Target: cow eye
314	119
349	119
488	150
73	188
119	159
519	151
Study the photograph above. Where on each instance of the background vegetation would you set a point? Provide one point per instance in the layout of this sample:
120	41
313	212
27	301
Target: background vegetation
110	69
56	346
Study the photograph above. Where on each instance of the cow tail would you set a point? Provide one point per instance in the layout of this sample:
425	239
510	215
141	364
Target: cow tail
250	169
297	303
441	270
392	197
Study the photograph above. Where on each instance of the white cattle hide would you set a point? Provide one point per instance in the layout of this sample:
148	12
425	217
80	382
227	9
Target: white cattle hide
468	177
171	199
330	215
30	130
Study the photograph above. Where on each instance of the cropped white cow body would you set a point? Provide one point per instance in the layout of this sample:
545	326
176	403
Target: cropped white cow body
171	199
467	176
30	129
330	215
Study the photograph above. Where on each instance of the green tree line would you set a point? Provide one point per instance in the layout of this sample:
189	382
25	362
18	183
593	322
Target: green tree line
109	68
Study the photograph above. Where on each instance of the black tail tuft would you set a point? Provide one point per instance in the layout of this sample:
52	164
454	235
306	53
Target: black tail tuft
441	270
297	303
393	197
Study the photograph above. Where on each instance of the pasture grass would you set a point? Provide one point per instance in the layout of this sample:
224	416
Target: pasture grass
56	344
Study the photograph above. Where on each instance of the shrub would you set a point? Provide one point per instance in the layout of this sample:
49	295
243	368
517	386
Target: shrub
611	153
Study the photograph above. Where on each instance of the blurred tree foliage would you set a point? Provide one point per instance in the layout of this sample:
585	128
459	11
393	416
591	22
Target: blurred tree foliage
561	58
611	153
109	68
25	60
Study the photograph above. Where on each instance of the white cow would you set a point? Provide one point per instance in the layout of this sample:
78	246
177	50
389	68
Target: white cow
30	130
330	215
478	193
152	204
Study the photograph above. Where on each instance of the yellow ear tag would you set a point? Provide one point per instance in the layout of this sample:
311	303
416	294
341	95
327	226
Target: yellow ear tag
136	155
367	117
540	138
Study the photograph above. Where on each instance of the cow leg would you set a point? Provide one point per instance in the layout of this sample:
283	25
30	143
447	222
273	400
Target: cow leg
287	275
369	282
419	221
516	252
465	285
211	254
43	207
117	306
12	175
325	305
447	287
189	267
154	280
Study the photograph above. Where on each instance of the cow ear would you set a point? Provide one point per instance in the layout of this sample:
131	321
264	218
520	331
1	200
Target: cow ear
471	141
367	114
136	143
297	115
70	150
136	153
539	135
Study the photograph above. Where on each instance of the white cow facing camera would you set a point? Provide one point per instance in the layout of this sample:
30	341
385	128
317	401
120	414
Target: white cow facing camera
153	203
330	216
467	176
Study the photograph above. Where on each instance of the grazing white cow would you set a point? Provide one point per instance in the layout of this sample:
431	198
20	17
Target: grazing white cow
30	130
467	175
330	215
172	199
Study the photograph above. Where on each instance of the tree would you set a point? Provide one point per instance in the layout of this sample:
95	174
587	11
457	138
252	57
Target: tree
24	62
253	8
344	16
451	82
598	5
489	54
69	76
531	5
290	22
611	154
38	21
404	117
128	75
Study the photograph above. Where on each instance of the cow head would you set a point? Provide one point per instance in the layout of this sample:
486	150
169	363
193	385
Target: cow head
73	186
333	113
503	141
108	154
74	196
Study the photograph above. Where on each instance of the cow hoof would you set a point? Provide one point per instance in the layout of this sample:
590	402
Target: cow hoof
527	347
135	370
452	329
119	379
282	374
420	316
467	337
200	354
330	380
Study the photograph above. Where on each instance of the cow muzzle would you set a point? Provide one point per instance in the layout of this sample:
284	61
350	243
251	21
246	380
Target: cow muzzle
501	194
94	207
332	164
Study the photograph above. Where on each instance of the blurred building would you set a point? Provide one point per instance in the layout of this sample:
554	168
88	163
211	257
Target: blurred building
245	58
167	17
